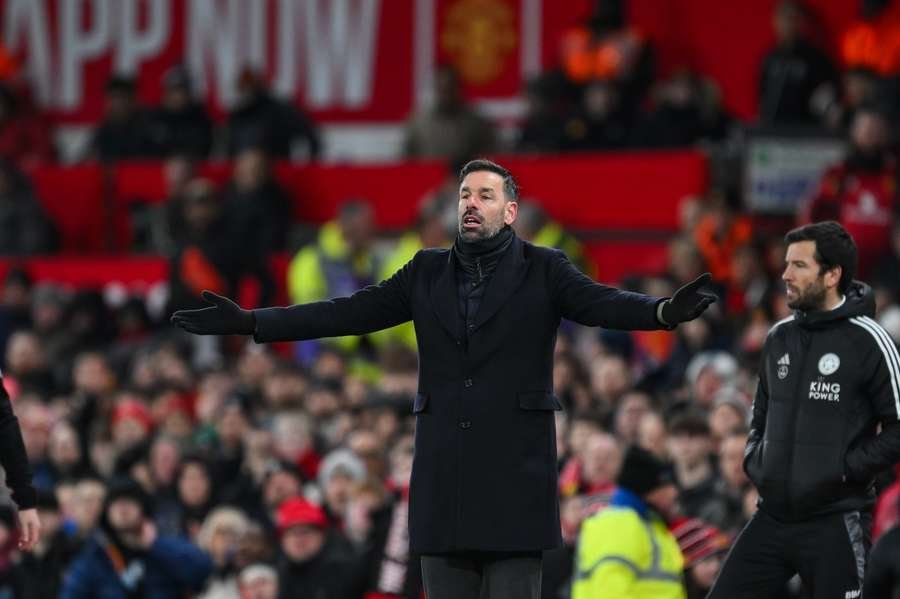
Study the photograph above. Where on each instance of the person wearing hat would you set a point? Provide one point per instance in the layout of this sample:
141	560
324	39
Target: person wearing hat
312	564
258	581
127	557
627	550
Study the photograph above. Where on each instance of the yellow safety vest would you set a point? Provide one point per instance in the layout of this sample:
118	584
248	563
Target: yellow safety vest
623	556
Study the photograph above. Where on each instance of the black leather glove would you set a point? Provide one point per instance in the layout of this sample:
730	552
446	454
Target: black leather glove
688	302
224	317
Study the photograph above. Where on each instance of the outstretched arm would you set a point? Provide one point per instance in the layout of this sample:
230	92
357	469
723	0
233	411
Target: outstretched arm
370	309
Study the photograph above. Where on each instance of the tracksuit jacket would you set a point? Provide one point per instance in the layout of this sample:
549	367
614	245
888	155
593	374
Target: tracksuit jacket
827	379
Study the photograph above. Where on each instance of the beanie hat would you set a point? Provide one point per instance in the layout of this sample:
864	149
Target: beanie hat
298	511
698	540
341	461
128	488
642	472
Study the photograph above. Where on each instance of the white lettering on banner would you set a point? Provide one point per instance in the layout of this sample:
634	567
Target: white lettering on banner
213	32
133	44
284	81
823	391
28	18
340	48
77	45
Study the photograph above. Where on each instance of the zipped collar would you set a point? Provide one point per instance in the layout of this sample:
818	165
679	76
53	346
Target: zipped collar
858	301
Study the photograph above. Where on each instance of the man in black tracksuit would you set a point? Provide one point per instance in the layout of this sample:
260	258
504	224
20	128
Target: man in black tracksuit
829	375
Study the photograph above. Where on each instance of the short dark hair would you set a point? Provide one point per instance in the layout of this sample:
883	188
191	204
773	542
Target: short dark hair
834	247
510	187
690	423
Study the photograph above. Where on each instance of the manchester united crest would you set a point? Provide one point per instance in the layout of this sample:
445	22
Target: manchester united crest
479	35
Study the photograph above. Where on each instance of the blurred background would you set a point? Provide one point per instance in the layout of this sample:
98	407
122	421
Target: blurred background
294	150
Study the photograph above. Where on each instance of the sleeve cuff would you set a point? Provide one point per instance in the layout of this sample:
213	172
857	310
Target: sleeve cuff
25	498
659	316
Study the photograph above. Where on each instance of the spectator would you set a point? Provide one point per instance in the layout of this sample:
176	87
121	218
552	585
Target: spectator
731	484
180	125
219	537
259	120
258	581
534	225
196	494
130	558
886	269
689	446
793	71
26	229
631	536
628	415
686	111
543	127
125	132
449	129
859	88
24	138
607	49
339	262
311	565
720	233
600	122
258	210
861	191
207	259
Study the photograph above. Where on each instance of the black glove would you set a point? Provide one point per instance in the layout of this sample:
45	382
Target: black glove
688	302
224	318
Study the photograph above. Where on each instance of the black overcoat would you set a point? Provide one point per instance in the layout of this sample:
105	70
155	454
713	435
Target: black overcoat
484	473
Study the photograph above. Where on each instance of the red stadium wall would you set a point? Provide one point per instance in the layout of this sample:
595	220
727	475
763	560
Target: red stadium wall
633	196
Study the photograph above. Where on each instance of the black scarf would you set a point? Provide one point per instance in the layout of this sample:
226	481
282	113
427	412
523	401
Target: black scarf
478	259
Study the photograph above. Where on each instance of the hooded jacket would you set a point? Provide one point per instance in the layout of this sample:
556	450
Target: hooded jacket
827	379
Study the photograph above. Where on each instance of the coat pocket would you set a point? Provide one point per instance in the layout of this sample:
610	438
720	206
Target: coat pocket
420	404
538	400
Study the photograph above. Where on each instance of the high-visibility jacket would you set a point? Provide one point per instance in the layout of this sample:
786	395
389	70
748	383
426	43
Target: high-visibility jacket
405	333
622	554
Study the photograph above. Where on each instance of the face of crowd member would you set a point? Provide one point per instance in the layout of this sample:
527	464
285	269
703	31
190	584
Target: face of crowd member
662	499
303	542
164	458
259	587
63	447
251	169
194	486
280	486
24	354
120	105
176	98
632	408
869	133
788	22
338	490
358	228
87	503
601	459
806	284
610	378
689	450
483	206
201	207
652	435
93	375
178	171
126	517
731	460
723	419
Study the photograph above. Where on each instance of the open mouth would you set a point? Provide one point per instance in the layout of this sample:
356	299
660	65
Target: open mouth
470	221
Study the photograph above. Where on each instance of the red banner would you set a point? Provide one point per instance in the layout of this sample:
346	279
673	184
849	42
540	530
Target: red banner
344	60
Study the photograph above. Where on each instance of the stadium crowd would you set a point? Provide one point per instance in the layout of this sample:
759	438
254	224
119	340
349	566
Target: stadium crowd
175	465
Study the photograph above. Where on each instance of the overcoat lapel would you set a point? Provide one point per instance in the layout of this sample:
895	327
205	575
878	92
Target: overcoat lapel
445	297
507	277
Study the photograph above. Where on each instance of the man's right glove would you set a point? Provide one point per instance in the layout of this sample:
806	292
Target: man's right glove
224	317
687	303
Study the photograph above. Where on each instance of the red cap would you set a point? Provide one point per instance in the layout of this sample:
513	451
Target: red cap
134	410
297	511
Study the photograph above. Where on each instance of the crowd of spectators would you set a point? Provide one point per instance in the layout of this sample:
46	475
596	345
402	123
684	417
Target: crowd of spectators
169	465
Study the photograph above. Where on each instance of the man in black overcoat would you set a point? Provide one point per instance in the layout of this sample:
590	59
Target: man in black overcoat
483	495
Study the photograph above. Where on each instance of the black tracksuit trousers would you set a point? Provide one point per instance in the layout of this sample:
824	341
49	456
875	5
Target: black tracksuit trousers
829	554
